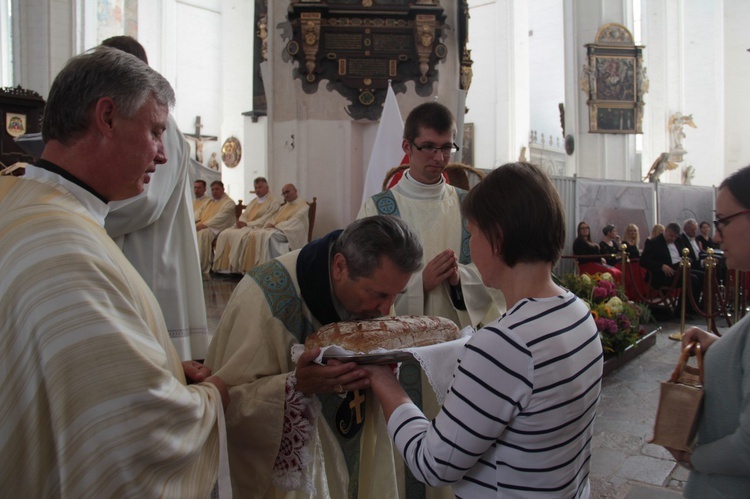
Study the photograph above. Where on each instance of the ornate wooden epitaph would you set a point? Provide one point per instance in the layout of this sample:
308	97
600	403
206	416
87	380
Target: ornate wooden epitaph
358	45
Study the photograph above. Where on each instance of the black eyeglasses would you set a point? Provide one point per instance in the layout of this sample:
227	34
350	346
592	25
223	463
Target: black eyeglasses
433	150
720	223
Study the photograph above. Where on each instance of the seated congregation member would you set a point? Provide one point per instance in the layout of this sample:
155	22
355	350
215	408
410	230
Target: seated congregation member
288	429
518	418
155	232
284	232
448	284
632	241
257	213
94	399
200	199
656	230
610	244
704	238
688	240
592	261
215	216
661	257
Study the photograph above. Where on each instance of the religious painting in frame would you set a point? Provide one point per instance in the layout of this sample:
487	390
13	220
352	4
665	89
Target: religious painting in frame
615	81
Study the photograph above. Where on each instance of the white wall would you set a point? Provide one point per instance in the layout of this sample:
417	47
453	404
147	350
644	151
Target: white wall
499	97
546	66
736	73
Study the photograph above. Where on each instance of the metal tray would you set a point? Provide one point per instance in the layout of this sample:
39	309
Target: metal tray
373	358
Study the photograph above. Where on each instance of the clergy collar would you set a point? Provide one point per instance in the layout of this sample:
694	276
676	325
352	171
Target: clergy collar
314	275
91	202
51	167
415	189
263	199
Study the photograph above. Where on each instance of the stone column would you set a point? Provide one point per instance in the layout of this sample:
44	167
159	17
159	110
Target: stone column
609	156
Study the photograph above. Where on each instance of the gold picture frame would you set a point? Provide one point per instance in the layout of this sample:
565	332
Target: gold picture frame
231	152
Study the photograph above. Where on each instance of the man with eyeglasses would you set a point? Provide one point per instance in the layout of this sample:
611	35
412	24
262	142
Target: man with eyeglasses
448	284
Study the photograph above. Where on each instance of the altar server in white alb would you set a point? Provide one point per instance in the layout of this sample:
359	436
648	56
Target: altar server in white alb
155	231
94	401
448	285
518	419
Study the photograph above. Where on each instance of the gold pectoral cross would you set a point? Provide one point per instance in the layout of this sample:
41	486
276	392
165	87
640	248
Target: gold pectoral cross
356	404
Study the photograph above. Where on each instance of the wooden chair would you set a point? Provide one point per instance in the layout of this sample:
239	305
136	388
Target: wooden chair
393	171
463	176
313	207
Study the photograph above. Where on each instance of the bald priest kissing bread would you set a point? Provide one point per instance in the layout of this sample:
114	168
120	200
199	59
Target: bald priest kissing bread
389	333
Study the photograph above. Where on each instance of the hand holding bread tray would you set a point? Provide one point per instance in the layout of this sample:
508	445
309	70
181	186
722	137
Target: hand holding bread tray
435	342
382	340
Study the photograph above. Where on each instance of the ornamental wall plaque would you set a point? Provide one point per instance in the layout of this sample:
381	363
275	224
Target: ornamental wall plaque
358	45
231	152
615	81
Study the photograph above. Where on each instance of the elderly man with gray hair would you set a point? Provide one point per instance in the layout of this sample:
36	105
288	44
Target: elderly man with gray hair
94	400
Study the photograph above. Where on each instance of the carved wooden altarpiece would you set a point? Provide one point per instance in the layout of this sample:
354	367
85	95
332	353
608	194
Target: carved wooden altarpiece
614	81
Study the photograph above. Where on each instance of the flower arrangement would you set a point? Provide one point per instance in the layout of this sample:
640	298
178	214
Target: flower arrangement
618	320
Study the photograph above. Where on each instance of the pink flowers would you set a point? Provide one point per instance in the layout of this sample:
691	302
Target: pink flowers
606	326
604	289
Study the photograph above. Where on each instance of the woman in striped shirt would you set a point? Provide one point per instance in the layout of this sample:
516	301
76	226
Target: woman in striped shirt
518	418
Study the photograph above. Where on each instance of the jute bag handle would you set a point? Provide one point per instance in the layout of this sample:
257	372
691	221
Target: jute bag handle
682	364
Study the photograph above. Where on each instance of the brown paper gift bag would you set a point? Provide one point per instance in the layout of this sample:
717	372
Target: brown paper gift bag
680	404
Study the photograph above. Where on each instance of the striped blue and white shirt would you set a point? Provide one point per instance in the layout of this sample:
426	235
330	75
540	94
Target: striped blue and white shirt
518	418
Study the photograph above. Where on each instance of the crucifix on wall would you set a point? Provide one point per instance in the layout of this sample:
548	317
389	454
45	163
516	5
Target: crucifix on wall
198	138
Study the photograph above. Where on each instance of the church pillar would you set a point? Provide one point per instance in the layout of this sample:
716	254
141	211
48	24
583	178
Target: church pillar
609	156
44	38
498	99
237	32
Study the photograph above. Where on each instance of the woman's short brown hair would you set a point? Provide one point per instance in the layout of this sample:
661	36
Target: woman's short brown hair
520	212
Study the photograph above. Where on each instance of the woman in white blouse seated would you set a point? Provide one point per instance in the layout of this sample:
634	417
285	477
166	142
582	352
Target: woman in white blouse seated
518	418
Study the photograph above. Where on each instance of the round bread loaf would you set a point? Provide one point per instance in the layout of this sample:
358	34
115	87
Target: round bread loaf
390	333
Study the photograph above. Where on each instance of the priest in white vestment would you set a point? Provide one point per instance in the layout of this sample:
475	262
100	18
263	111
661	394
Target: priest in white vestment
199	191
94	401
449	285
285	232
213	217
256	214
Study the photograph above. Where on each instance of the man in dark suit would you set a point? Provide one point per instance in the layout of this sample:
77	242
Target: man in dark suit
687	240
661	257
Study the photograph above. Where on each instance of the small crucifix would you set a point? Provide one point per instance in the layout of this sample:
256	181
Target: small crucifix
198	138
356	404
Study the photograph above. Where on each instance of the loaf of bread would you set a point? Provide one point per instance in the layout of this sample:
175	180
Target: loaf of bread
389	333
